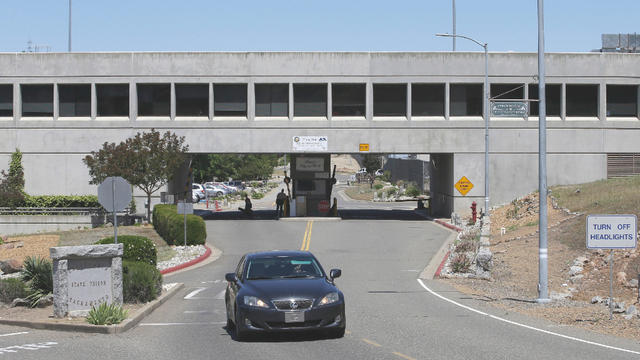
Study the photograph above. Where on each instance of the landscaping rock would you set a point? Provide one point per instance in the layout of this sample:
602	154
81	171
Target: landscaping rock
45	301
19	302
629	317
580	261
596	300
633	283
631	310
621	277
10	266
559	296
484	258
619	307
575	270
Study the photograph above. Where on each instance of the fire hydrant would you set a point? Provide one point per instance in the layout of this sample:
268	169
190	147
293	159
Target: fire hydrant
474	213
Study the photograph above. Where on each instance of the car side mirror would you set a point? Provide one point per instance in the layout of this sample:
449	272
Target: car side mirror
335	273
231	277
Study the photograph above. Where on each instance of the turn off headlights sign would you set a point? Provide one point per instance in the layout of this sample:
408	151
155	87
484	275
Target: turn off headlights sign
612	231
310	143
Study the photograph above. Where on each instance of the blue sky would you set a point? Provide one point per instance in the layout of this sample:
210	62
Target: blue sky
327	25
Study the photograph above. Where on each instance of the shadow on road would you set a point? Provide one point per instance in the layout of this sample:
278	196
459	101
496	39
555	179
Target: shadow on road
345	214
283	336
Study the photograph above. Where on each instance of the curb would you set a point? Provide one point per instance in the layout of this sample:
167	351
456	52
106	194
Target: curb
188	263
100	329
447	225
444	260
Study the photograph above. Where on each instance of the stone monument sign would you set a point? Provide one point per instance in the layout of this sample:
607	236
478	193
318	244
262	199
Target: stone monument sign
85	276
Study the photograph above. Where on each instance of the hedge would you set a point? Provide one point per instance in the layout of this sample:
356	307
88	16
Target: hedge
141	282
61	201
11	289
136	248
170	226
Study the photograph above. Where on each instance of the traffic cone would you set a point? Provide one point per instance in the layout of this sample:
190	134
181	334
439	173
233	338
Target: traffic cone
218	208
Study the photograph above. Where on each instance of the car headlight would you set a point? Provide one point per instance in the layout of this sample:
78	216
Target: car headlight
330	298
254	301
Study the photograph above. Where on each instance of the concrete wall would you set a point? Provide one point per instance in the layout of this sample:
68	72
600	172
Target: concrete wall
577	147
29	224
442	197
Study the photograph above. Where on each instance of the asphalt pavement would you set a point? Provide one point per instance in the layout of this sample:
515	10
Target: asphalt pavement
390	315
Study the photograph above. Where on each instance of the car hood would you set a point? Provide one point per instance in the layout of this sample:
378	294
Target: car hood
289	288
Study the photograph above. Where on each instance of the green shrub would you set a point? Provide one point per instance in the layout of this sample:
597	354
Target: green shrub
392	191
257	195
378	186
106	314
136	248
140	282
386	176
11	289
170	226
466	245
412	190
38	272
61	201
460	264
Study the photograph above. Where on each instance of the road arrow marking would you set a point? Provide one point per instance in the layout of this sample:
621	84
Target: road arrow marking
194	293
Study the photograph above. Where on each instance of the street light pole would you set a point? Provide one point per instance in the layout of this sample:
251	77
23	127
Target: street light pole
453	8
485	46
69	26
543	286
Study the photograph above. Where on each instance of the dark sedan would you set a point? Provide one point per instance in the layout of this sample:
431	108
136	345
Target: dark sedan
283	291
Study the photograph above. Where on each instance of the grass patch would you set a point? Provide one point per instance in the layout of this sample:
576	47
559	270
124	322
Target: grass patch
532	223
363	191
611	196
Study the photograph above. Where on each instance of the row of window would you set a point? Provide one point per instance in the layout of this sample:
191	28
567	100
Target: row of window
272	100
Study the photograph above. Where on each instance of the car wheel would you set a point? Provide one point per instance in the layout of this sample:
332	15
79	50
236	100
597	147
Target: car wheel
238	331
219	193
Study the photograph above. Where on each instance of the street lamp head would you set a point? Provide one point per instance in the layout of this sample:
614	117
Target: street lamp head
444	35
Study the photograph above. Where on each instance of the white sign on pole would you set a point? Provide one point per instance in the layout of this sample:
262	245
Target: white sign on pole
185	208
612	231
114	193
310	143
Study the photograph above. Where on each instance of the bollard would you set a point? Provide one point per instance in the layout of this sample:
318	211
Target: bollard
474	214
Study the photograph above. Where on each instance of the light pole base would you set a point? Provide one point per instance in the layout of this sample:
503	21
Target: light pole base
543	301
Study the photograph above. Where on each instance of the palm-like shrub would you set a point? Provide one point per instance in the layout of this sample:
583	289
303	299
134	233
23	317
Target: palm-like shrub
106	314
38	273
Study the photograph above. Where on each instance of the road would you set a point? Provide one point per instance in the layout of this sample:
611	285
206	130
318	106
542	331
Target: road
390	315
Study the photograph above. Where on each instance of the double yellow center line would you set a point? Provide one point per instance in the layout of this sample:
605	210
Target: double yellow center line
307	236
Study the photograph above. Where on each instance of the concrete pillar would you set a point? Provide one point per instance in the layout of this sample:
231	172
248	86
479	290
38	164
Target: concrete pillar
133	102
210	101
409	101
56	102
17	103
94	102
563	102
290	101
526	97
602	101
329	102
172	102
251	101
447	100
369	109
638	102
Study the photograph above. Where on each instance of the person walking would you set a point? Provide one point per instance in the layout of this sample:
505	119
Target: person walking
247	206
280	198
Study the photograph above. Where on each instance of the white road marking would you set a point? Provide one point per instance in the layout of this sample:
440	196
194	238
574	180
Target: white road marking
210	282
411	270
14	334
37	346
525	326
198	312
184	323
194	293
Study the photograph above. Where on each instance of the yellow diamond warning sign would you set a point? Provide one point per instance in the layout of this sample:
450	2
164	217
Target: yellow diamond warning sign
464	185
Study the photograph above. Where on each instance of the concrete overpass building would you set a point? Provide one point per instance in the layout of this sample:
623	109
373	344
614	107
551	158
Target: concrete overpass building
57	107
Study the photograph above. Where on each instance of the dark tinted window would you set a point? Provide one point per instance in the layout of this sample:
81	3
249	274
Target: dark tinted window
553	95
6	100
230	100
389	100
154	99
37	100
348	99
465	100
282	267
272	99
507	91
310	99
582	100
75	100
192	99
427	99
622	100
113	99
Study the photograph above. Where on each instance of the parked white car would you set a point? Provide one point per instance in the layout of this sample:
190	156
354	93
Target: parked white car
215	190
198	190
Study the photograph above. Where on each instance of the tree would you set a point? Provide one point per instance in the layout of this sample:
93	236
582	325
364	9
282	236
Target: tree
12	183
147	161
371	162
235	166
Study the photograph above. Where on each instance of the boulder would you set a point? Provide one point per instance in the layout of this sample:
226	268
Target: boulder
633	283
45	301
484	258
10	266
618	307
596	300
621	277
19	302
631	310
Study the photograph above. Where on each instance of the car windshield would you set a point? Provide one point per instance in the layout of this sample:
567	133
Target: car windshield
282	267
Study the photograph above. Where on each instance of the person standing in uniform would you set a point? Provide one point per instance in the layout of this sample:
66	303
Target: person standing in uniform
280	199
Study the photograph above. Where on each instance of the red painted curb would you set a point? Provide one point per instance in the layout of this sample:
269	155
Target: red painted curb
446	256
188	263
447	225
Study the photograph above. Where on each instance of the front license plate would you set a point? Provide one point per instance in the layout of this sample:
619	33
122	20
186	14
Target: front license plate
294	317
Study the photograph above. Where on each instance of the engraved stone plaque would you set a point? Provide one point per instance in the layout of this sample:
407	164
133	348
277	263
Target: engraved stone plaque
89	282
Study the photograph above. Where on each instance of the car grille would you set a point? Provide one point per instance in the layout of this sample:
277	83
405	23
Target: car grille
300	304
281	325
